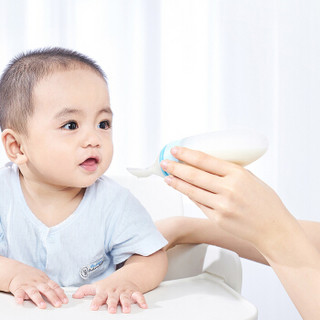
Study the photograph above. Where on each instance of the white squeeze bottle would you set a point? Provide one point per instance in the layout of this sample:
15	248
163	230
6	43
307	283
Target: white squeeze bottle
240	146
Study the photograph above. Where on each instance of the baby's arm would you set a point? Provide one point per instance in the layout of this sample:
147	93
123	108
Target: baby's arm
26	282
126	286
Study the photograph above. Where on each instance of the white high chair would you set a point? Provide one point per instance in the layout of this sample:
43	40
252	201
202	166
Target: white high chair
203	281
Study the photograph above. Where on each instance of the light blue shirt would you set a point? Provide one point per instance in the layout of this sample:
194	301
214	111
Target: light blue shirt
108	226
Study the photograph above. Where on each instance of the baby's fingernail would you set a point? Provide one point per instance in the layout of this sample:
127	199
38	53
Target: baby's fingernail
126	309
112	310
65	300
93	307
42	305
57	304
19	300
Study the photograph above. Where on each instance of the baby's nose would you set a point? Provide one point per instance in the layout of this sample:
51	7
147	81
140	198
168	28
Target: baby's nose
91	139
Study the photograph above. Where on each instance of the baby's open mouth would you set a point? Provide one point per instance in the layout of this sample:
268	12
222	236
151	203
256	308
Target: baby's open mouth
90	164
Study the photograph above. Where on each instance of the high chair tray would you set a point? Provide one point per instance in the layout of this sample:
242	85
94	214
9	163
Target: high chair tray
204	296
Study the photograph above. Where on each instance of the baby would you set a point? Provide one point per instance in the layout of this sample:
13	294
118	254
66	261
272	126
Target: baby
62	222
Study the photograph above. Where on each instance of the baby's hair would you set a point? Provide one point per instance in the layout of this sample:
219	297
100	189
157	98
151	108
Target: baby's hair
24	72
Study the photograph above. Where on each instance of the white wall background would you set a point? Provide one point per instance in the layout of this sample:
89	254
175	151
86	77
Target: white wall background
181	67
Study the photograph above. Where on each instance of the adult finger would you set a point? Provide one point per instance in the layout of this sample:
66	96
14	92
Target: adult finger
202	161
193	175
139	299
212	214
196	194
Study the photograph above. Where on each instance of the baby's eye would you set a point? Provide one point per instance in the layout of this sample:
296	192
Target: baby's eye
72	125
104	125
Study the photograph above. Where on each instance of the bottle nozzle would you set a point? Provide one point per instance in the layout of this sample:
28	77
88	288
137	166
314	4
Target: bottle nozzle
146	172
139	172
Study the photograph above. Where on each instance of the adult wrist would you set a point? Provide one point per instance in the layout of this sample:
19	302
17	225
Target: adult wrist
282	243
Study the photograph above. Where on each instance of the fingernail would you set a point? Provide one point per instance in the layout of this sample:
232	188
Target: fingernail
19	300
164	164
94	307
57	304
174	150
112	310
168	179
65	300
42	304
126	310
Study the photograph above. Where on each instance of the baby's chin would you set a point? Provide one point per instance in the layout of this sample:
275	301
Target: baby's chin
87	184
89	181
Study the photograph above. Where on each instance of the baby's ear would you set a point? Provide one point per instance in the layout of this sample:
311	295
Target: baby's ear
12	145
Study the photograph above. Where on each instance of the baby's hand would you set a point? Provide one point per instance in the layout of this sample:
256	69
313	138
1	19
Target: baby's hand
32	284
112	292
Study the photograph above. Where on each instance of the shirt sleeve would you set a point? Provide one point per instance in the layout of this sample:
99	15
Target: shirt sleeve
3	242
134	232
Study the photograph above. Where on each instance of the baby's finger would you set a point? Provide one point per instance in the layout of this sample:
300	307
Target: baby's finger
20	296
86	290
125	301
59	291
50	294
36	297
139	299
112	303
98	301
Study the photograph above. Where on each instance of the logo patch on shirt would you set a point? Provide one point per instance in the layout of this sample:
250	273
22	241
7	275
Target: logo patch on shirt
87	271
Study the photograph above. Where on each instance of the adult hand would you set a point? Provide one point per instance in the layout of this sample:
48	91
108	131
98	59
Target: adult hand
230	195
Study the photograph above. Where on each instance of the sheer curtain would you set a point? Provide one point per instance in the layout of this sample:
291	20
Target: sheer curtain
181	67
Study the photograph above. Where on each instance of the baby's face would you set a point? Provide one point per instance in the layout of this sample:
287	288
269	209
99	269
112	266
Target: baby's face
69	140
